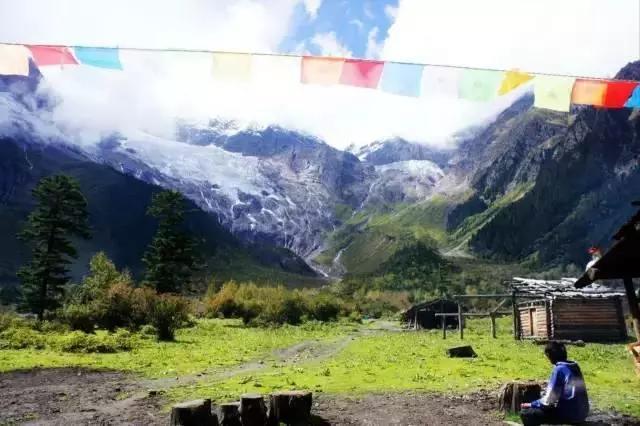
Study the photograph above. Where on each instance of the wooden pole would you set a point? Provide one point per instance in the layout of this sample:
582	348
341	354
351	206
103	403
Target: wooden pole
460	321
634	309
444	327
516	327
493	326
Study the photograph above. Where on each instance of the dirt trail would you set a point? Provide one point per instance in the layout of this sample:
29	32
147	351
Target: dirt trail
77	396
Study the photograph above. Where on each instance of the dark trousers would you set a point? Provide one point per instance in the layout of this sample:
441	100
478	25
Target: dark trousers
542	416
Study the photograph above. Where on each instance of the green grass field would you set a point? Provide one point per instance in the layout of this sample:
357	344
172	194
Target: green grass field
373	361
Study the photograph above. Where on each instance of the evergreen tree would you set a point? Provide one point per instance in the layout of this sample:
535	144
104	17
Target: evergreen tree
171	257
60	213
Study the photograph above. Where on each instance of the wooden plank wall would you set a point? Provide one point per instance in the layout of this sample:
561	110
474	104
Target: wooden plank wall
588	319
539	319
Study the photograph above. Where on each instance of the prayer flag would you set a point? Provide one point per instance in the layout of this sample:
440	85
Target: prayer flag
634	100
618	93
99	57
14	60
321	70
267	69
401	79
479	85
232	66
512	80
589	92
356	72
52	55
553	92
442	81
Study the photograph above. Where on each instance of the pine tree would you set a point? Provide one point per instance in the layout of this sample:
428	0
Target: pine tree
60	213
171	257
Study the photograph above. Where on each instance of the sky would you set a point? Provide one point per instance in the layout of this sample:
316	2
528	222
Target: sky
581	37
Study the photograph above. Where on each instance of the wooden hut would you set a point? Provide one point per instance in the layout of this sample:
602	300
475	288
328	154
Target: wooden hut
557	310
423	315
620	262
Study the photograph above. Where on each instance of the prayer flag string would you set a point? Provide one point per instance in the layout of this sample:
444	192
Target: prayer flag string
555	92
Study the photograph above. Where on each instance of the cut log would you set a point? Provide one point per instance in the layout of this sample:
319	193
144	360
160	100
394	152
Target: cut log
515	393
291	408
252	410
461	352
230	414
193	413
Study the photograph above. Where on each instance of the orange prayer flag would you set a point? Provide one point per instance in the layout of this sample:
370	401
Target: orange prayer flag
321	70
589	92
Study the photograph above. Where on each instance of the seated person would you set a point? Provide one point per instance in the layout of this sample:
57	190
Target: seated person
565	399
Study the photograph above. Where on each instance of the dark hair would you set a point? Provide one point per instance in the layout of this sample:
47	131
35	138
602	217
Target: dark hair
555	351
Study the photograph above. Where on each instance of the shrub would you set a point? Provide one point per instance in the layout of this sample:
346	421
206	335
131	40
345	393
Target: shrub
9	319
21	338
223	303
78	341
324	307
168	313
79	316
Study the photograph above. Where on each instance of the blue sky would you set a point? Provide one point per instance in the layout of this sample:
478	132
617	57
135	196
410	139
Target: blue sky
360	26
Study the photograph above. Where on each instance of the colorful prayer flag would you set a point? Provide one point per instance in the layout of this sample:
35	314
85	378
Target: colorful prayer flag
14	60
232	66
401	79
267	69
99	57
52	55
479	85
440	81
356	72
634	100
512	80
553	92
321	70
618	93
589	92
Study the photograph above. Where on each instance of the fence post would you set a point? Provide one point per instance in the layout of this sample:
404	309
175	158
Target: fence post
460	323
516	325
493	325
444	327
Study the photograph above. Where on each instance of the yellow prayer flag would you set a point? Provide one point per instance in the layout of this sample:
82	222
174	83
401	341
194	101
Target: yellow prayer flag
589	92
512	80
14	60
232	66
553	92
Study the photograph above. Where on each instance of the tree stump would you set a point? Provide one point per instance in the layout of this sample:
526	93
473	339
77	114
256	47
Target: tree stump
193	413
252	410
230	414
291	408
461	352
515	393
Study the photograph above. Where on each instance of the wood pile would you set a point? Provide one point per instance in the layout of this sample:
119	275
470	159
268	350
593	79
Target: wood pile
290	408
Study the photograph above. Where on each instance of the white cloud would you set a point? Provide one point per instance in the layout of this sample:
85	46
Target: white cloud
583	37
358	23
373	47
329	45
391	12
312	7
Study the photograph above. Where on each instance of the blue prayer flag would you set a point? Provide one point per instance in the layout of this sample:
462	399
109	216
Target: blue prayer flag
401	79
99	57
634	100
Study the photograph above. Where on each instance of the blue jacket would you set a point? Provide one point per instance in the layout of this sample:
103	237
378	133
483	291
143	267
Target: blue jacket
566	392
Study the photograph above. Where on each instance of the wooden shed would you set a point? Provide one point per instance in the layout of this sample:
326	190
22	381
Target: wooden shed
557	310
423	315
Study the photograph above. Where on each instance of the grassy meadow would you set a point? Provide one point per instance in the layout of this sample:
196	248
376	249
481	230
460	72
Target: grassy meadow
370	360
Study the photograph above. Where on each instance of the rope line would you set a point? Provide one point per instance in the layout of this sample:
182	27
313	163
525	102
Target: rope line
183	50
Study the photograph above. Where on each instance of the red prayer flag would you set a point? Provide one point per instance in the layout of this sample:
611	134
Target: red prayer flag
360	73
52	55
618	93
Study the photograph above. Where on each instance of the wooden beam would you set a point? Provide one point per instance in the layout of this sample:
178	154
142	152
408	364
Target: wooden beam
493	325
516	317
501	304
634	309
460	321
